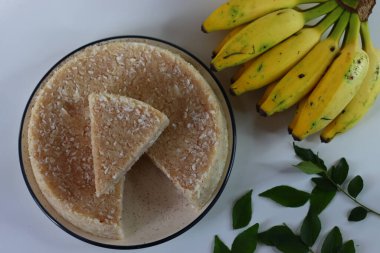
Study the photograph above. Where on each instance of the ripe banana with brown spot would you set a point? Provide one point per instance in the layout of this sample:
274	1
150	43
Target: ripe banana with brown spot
266	94
236	12
240	71
275	63
337	88
365	97
226	39
303	77
300	105
264	33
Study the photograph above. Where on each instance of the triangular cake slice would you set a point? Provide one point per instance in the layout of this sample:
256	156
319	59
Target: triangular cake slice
122	129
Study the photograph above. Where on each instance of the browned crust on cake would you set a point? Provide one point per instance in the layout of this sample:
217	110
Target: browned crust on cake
191	151
73	200
122	129
199	136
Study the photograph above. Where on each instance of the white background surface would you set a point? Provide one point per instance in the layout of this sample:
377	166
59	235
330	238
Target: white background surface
34	35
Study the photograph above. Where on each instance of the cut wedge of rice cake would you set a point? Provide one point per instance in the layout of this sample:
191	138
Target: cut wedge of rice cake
122	129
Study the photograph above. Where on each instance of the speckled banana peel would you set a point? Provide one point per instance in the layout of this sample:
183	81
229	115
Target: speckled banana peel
275	63
264	33
303	77
266	93
237	12
300	105
337	88
229	35
240	72
366	96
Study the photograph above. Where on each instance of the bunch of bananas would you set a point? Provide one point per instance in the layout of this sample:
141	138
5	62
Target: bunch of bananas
333	84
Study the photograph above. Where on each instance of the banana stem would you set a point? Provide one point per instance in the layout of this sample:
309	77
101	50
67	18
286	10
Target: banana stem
319	10
340	27
311	1
329	19
366	37
351	3
353	31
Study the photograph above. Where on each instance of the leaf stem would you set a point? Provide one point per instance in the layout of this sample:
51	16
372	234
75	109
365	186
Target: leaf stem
352	198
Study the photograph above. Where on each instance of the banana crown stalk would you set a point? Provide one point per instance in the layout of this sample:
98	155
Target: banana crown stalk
303	77
337	88
237	12
263	71
264	33
365	97
340	27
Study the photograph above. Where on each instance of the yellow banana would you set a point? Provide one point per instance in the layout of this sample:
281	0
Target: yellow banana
365	97
301	79
337	88
240	71
236	12
266	93
279	60
300	105
226	39
264	33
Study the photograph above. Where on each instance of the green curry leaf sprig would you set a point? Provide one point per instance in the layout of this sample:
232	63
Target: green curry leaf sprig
327	183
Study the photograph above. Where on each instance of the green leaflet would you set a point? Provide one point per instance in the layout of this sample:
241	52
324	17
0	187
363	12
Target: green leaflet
286	196
283	238
355	186
310	229
324	184
246	241
242	211
309	167
358	214
320	199
219	246
333	242
340	171
348	247
308	155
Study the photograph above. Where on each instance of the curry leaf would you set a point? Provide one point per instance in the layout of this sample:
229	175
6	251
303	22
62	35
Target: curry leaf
219	246
348	247
309	167
333	242
355	186
283	238
340	171
246	241
308	155
324	184
358	214
242	211
286	196
310	229
320	199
